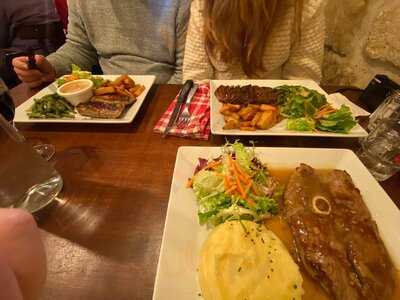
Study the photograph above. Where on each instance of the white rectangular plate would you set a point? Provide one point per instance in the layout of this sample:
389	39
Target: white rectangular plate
183	236
217	120
21	115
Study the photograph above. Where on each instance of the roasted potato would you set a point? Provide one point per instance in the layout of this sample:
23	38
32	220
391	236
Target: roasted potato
247	128
266	107
225	110
233	107
248	113
255	119
246	124
267	120
231	123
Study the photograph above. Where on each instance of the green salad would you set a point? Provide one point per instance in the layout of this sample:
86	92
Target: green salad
51	106
308	110
234	186
77	73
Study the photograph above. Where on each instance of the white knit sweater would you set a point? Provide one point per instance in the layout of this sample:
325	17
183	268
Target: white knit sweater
284	57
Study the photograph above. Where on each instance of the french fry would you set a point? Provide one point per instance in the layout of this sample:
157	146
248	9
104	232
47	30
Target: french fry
104	90
119	80
129	82
139	91
133	89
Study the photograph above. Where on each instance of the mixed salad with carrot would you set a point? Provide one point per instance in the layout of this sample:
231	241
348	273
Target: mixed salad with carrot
234	186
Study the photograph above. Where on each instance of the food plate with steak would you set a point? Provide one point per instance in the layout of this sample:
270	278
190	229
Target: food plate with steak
278	107
223	238
116	99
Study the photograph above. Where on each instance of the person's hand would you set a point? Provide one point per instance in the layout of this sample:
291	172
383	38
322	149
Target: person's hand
22	250
44	73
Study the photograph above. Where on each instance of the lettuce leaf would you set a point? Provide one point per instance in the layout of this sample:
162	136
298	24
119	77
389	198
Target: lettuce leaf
301	124
206	183
341	121
243	156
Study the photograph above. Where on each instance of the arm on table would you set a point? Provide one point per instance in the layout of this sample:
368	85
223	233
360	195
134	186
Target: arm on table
307	53
196	64
77	49
181	28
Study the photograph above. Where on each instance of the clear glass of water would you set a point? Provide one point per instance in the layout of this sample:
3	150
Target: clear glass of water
389	109
27	180
380	150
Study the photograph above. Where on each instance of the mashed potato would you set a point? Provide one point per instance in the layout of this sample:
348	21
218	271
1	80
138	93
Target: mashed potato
244	260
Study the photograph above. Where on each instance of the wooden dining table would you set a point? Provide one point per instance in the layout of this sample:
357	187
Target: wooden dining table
103	233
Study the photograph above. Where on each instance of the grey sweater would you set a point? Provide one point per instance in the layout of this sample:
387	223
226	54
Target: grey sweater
126	36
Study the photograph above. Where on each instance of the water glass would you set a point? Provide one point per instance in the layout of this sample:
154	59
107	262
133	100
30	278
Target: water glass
380	150
389	109
27	181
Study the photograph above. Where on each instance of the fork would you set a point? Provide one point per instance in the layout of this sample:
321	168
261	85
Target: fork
184	118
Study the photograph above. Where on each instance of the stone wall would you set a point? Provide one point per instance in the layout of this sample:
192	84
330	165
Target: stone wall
363	39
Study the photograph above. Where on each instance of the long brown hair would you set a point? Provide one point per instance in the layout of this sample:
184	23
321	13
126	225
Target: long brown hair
235	31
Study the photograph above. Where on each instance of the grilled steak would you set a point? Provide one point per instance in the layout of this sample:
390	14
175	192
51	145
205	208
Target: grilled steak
248	94
336	240
124	99
101	109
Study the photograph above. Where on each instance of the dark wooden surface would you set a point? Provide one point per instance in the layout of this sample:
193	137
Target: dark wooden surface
103	235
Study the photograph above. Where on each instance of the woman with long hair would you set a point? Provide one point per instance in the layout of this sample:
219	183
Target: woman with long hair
261	39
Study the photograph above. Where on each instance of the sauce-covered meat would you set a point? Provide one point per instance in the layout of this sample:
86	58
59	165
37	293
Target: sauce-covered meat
335	237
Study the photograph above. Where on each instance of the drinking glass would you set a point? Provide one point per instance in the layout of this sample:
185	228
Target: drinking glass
389	109
380	150
7	109
27	181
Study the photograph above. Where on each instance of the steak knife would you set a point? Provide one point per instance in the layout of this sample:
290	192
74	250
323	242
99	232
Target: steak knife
181	99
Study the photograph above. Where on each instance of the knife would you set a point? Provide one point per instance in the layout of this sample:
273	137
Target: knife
181	99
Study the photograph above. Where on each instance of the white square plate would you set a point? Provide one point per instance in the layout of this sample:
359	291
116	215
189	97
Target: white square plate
21	115
183	236
217	120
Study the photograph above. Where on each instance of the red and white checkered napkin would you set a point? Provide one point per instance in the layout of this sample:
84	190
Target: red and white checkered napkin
199	124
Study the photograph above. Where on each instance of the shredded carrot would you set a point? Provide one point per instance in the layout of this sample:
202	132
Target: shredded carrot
254	188
239	170
231	189
247	189
227	183
213	164
250	202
